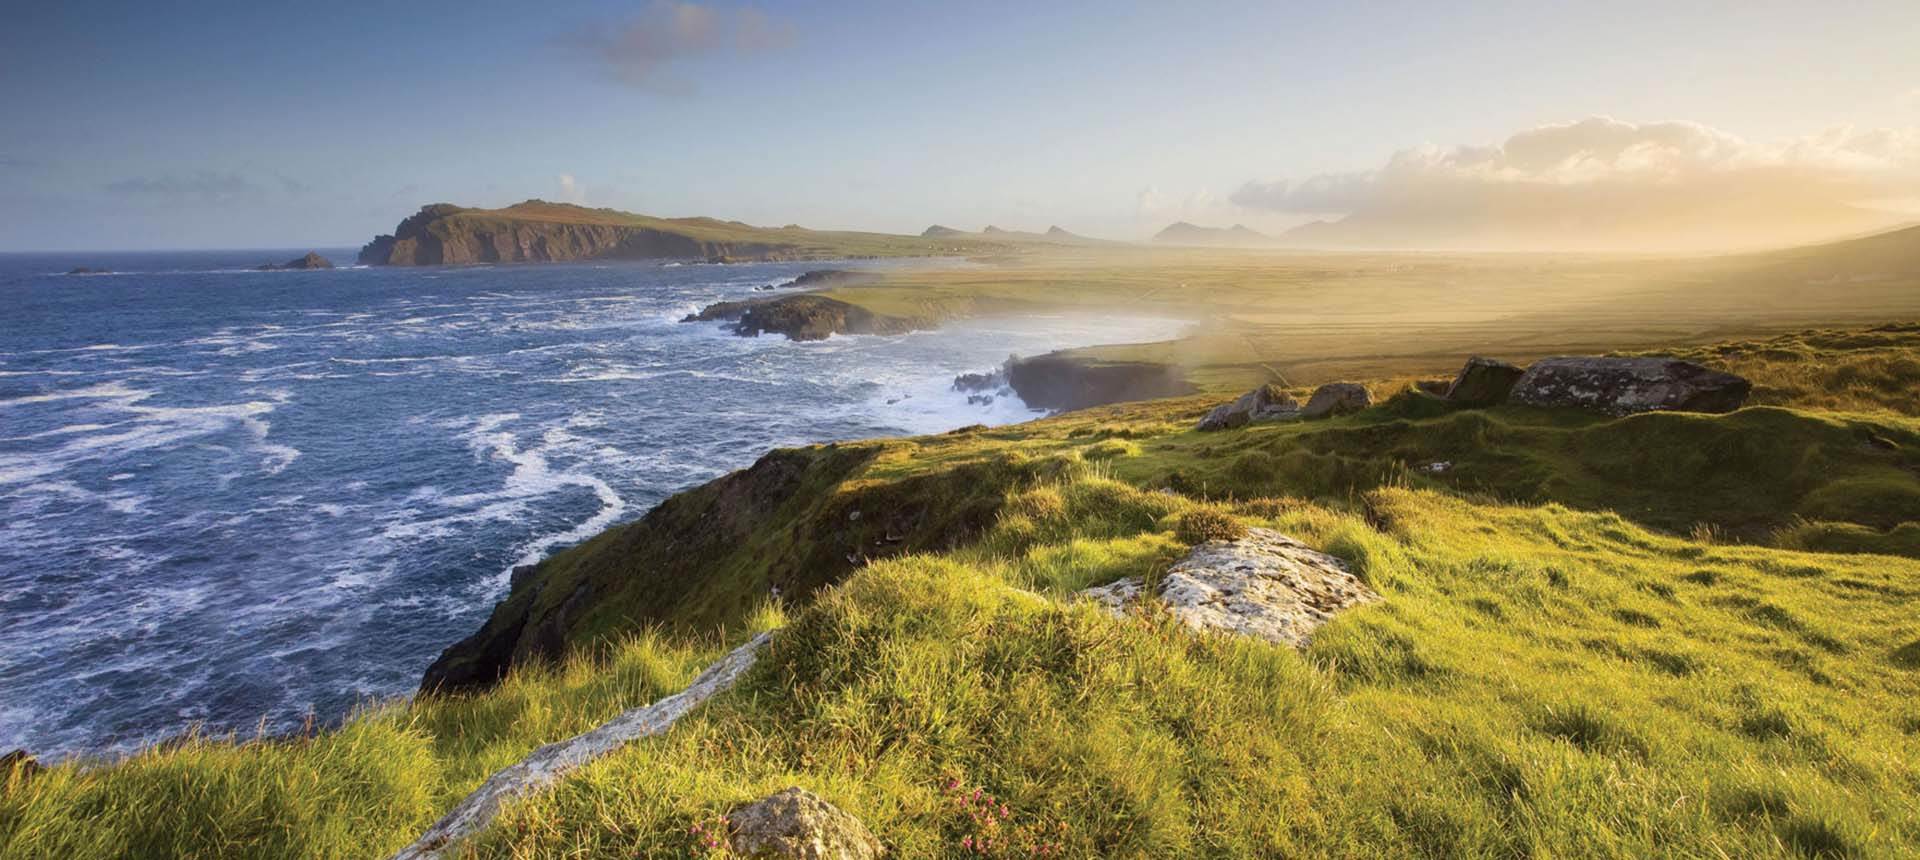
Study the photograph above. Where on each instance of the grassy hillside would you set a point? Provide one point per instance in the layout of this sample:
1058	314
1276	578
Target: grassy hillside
1600	637
1306	318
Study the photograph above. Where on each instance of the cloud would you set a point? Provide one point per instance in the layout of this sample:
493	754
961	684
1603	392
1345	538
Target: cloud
642	50
202	184
570	190
1604	181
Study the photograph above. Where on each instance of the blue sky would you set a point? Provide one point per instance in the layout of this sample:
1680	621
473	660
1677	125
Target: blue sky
128	125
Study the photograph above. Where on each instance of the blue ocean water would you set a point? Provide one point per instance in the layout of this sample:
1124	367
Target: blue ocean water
237	498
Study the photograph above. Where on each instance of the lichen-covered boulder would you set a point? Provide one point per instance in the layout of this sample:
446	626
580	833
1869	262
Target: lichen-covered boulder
1265	585
1337	398
1484	382
1265	403
1622	386
795	823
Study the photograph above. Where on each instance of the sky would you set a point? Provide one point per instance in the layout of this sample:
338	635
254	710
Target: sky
260	124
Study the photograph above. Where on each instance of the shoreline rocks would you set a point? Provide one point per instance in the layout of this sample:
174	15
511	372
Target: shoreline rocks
805	316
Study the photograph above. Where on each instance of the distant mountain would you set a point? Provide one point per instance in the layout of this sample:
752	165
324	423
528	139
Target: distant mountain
540	231
1237	236
1054	235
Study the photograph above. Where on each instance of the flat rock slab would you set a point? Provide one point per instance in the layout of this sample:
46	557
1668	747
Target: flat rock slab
1623	386
1265	585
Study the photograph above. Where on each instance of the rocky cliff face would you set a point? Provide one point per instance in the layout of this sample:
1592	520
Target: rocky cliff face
794	522
445	234
1064	381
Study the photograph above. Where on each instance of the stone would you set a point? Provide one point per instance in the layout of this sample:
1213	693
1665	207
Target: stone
1483	382
88	270
1337	398
1265	403
1265	585
796	823
1623	386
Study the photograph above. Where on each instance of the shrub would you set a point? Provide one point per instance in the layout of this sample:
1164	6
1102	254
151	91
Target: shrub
1205	524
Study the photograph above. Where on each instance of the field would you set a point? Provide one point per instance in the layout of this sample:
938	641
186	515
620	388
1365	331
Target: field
1662	635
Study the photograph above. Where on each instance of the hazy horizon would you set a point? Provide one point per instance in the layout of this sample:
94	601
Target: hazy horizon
236	127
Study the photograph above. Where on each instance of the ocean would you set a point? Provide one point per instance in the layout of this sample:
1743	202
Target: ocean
238	500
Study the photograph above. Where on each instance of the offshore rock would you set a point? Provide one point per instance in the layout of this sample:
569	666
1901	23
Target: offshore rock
1265	585
1623	386
310	261
795	824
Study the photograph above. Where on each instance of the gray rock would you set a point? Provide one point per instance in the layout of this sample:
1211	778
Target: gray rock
1265	585
1265	403
1622	386
1484	382
796	824
1337	398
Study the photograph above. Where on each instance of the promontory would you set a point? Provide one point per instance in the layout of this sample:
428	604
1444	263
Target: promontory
538	231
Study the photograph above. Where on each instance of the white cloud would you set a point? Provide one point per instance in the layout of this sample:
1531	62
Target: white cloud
1599	174
570	191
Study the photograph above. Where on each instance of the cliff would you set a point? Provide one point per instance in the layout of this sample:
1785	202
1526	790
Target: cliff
1065	381
538	231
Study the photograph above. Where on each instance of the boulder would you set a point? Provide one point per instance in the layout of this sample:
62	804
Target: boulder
1337	398
1622	386
1265	403
795	823
1265	585
1483	382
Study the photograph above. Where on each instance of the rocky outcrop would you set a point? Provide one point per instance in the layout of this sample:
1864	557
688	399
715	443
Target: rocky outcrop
795	824
1622	386
1063	381
549	764
1337	398
793	523
1483	382
539	231
983	388
1265	403
1265	585
802	317
310	261
88	270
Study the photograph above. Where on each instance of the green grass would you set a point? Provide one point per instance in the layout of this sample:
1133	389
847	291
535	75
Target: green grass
1663	635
